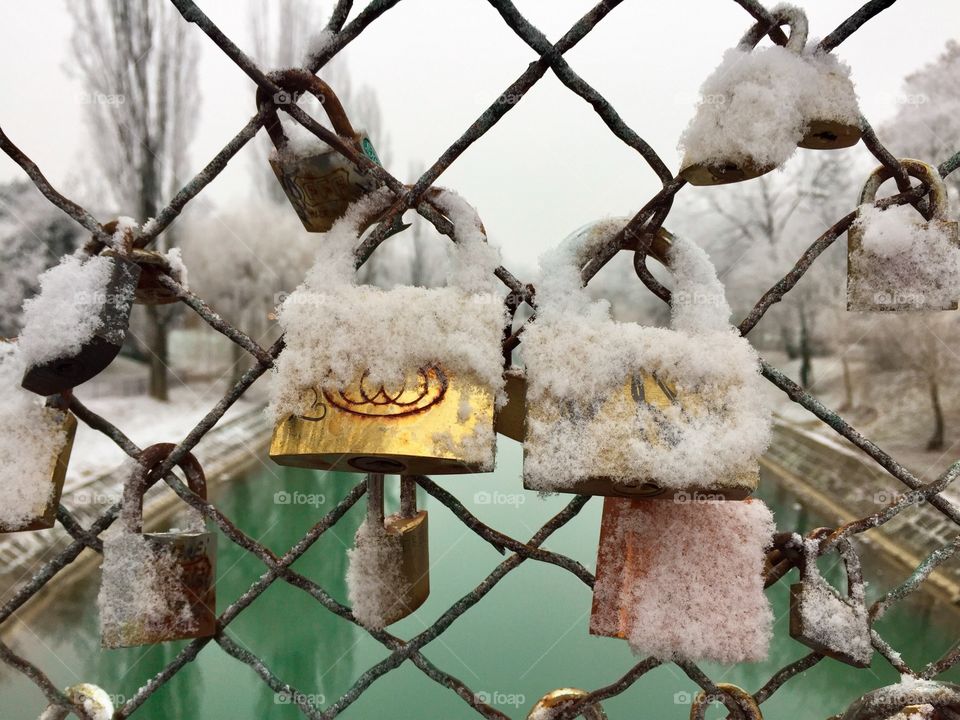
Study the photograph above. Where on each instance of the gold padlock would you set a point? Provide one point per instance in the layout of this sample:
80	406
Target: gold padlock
321	183
824	621
920	699
421	426
867	289
159	586
390	564
43	512
641	389
746	702
555	700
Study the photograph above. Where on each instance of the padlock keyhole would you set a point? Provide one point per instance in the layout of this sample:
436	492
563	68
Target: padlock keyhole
377	465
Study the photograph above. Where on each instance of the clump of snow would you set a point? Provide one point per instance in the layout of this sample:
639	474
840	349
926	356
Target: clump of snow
318	43
903	261
833	622
581	421
93	699
375	584
65	313
141	592
758	103
178	269
335	330
685	581
31	438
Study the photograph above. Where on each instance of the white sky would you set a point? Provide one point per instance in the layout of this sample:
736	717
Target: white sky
547	168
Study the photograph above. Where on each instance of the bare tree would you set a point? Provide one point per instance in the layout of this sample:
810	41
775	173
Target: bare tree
137	62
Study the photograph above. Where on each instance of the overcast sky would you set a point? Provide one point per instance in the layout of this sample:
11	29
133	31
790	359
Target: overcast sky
547	168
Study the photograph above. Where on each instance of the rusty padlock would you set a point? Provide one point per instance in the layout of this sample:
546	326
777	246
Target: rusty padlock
66	372
867	290
152	264
556	700
597	463
382	601
822	619
418	426
42	513
320	183
746	702
908	700
158	586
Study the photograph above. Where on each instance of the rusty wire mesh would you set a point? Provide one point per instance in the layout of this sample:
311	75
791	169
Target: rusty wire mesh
636	233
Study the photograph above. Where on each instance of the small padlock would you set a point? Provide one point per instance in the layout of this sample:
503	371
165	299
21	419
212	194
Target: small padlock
824	621
912	698
152	264
866	290
390	564
173	595
556	700
91	698
320	183
746	702
44	514
425	424
66	372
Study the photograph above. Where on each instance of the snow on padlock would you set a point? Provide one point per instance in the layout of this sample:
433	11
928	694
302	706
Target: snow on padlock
896	261
91	698
319	182
389	573
158	586
618	409
658	588
911	699
556	700
76	325
823	620
400	381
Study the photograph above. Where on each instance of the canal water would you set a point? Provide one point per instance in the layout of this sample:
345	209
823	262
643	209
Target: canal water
526	637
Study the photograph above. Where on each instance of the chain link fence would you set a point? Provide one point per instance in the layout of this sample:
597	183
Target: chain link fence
636	233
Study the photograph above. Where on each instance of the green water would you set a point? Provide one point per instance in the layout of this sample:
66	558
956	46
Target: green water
527	636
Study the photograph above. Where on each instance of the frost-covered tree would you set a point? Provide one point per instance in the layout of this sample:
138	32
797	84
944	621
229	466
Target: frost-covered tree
137	65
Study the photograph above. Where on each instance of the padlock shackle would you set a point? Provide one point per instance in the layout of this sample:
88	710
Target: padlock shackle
556	698
408	496
924	172
746	701
137	484
784	14
851	563
298	80
375	511
886	701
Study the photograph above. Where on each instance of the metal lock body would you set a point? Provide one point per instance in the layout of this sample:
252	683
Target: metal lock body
885	702
731	171
96	354
818	612
321	185
886	299
152	264
45	515
746	702
555	700
831	134
417	427
192	552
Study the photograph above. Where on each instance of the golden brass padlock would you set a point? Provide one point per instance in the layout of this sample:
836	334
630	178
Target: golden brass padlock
824	621
555	700
906	700
42	513
320	183
746	702
589	444
158	586
876	283
389	574
437	420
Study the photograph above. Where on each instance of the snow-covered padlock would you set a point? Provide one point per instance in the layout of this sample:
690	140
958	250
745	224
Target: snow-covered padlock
95	292
389	575
895	260
555	700
823	620
319	182
158	586
399	381
703	556
49	433
745	701
619	409
912	697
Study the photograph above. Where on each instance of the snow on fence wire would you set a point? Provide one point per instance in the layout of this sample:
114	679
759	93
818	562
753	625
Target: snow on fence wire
782	557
